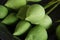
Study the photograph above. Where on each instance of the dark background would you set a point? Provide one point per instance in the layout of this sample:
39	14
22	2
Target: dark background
55	15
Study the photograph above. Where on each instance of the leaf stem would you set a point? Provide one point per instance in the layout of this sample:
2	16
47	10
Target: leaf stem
52	8
58	21
50	4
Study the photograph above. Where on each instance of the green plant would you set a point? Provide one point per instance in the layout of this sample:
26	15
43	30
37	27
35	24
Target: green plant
29	14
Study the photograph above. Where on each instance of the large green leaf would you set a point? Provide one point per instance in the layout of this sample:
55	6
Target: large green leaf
37	33
35	13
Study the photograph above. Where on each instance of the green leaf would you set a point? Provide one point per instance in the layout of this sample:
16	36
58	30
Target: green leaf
37	33
21	27
35	13
46	22
22	12
15	4
11	18
3	11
